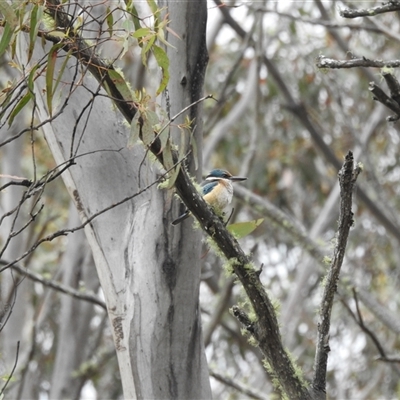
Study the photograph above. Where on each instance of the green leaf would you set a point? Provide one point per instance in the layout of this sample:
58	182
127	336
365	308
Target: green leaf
242	229
147	128
31	77
21	104
161	38
36	19
5	38
61	71
141	32
146	48
110	21
51	63
163	62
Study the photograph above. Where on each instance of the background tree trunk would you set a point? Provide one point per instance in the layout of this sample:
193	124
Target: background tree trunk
73	339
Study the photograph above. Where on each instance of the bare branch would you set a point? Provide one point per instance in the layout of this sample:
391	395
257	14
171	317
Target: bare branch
244	319
325	62
389	359
250	393
393	85
347	178
11	373
370	12
382	97
360	322
390	319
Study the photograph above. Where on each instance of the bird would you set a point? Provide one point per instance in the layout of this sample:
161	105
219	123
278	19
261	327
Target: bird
216	190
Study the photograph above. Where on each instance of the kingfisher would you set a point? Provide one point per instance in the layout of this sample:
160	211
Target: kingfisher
216	190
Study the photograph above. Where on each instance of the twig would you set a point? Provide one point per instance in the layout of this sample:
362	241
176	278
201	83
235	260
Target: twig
369	12
243	318
57	286
209	96
325	62
393	85
239	387
347	178
389	359
391	320
12	372
382	97
360	322
365	329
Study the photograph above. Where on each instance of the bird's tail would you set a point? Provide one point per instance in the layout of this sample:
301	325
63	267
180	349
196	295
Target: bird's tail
181	218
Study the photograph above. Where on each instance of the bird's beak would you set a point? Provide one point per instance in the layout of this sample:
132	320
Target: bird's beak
237	178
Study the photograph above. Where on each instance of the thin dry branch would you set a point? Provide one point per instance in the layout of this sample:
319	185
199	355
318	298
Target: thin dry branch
325	62
347	178
393	85
382	313
59	287
360	322
389	359
250	393
382	97
11	373
370	12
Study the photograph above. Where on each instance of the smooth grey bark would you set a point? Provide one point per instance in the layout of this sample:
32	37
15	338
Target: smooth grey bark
149	272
